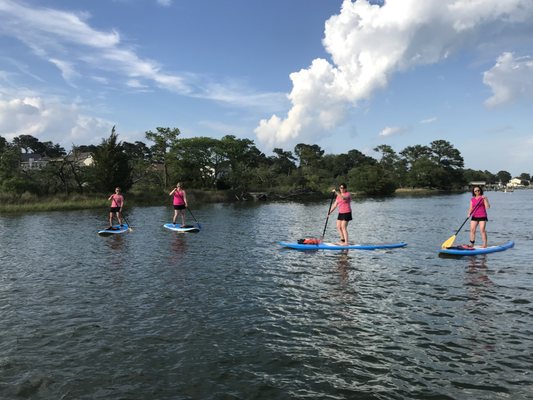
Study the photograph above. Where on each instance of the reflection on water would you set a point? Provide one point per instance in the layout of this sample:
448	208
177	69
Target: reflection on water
343	264
179	244
227	313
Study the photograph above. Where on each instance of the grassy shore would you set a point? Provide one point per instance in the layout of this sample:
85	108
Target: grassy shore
26	202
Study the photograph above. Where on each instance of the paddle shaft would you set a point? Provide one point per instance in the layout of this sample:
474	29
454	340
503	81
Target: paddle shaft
125	220
327	218
194	218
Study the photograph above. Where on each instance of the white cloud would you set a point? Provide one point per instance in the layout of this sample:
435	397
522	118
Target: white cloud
57	35
428	120
369	43
67	69
390	131
510	79
65	124
164	3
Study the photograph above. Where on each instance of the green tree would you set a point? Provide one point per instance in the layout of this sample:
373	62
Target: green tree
425	173
242	157
3	144
283	163
111	165
411	154
28	143
308	155
373	180
140	160
391	162
451	164
503	176
165	140
199	161
525	176
9	166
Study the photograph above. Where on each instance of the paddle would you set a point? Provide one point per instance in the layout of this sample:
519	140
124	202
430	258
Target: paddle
197	223
451	239
130	229
327	218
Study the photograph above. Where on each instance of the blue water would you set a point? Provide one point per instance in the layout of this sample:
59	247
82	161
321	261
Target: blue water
228	314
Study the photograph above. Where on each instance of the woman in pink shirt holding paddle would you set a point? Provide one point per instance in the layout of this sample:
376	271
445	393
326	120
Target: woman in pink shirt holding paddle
345	212
179	202
117	202
478	211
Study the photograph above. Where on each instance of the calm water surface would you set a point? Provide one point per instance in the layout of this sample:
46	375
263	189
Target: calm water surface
228	314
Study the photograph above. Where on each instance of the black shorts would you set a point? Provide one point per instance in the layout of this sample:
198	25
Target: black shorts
479	219
114	209
180	207
345	216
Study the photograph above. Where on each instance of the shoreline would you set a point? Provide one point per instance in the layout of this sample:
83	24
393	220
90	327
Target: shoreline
13	204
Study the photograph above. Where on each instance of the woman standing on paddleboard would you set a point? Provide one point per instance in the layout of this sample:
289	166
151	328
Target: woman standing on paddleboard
179	202
117	202
345	212
478	210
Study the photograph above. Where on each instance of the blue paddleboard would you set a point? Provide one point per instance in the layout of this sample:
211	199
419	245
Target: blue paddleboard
182	229
333	246
116	229
464	251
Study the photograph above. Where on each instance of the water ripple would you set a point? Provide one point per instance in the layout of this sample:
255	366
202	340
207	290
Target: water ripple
228	314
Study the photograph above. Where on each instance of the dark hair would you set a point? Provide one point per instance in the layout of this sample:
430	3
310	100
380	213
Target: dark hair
480	190
343	185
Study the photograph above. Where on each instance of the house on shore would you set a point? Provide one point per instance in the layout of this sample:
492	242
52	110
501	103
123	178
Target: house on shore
34	161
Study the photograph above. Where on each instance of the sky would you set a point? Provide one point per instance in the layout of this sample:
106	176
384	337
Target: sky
341	74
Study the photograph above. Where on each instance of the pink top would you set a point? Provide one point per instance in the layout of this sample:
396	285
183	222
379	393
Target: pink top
480	211
344	204
179	196
117	200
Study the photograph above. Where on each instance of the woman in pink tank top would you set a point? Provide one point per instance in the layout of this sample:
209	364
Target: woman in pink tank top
478	211
179	202
345	212
117	202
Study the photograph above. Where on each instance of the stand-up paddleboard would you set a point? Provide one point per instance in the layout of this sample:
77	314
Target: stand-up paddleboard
472	251
182	229
116	229
333	246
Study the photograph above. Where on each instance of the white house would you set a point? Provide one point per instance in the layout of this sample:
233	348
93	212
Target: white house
31	161
517	183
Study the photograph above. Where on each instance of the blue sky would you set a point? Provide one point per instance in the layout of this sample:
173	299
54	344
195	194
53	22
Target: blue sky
341	74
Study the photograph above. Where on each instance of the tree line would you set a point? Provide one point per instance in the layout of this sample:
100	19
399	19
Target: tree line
229	163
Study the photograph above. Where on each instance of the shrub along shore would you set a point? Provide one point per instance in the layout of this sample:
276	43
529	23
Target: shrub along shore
26	202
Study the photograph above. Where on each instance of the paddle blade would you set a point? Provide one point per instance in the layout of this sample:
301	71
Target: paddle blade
449	242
